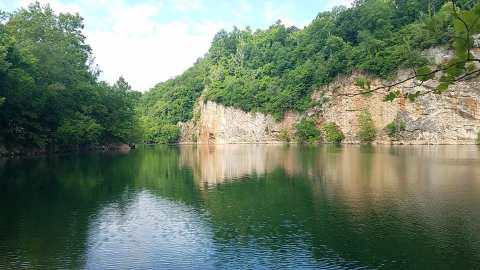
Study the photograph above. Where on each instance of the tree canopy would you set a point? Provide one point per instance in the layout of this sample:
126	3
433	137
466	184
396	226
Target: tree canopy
51	95
50	92
276	70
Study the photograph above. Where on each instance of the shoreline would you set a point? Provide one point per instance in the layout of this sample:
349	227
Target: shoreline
125	148
345	143
39	152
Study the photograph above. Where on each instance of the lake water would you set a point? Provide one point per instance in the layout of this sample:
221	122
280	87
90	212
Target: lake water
244	206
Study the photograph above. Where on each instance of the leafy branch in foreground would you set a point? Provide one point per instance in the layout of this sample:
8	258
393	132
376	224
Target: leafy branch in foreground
462	66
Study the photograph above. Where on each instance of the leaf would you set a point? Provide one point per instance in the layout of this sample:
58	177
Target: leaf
392	96
424	73
442	87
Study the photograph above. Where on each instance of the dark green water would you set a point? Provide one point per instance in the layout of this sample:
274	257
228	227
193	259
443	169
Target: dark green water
244	206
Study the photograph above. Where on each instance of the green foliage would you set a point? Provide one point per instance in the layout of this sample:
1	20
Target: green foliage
275	70
49	91
391	96
366	131
478	138
284	135
332	133
307	131
157	132
363	83
466	24
391	129
80	130
424	73
51	94
171	102
394	127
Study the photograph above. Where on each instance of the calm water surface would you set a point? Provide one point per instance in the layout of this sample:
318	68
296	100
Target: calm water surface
244	206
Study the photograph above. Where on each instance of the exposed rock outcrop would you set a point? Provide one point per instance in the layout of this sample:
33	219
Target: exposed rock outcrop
449	118
218	124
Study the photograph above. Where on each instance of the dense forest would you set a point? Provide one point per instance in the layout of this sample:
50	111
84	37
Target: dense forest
276	70
51	96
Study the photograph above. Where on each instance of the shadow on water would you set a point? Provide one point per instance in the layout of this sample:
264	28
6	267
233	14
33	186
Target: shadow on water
273	206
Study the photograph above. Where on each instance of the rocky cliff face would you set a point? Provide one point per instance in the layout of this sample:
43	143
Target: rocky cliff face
218	124
450	118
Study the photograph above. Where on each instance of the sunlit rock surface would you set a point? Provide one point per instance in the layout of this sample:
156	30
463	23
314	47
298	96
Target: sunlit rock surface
450	118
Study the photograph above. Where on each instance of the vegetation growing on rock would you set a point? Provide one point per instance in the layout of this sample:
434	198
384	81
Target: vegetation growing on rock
51	96
332	133
276	70
394	127
366	127
307	132
284	135
171	102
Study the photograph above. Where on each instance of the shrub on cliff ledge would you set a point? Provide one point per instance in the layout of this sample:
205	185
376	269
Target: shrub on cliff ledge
284	136
332	133
393	128
307	131
366	131
478	138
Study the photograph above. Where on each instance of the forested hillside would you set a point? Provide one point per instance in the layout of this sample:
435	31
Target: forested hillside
275	70
51	97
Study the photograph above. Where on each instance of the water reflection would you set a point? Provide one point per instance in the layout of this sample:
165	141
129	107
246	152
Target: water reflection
244	206
215	164
148	232
354	199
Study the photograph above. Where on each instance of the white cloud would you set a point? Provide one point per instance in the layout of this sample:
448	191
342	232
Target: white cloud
128	38
132	43
146	52
156	53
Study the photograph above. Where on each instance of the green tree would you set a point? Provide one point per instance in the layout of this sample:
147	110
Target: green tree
307	131
366	128
80	130
51	94
332	133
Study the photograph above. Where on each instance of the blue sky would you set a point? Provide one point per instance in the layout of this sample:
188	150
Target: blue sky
151	41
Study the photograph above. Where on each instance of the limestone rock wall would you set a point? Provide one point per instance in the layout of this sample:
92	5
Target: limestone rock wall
450	118
218	124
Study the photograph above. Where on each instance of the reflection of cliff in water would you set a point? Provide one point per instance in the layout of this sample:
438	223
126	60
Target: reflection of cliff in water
357	170
383	199
413	181
215	164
